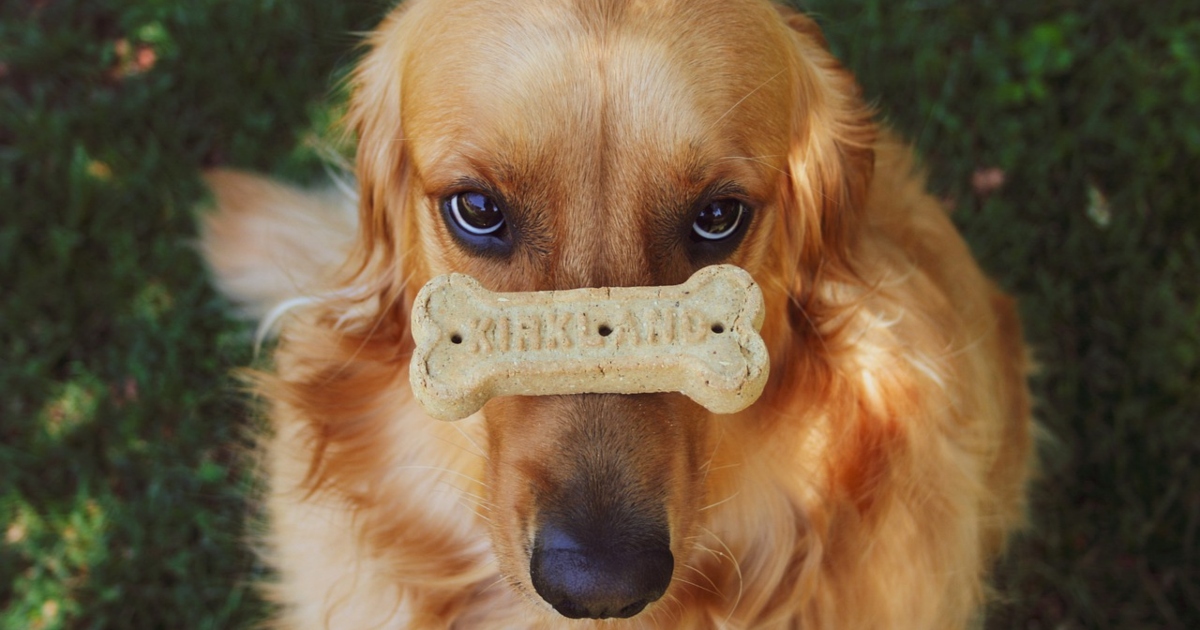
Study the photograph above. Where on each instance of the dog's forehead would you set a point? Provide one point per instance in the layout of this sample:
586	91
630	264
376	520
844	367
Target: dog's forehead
546	87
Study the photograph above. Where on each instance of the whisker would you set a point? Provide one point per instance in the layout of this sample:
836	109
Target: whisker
669	605
489	586
707	467
483	517
478	500
737	568
466	448
690	583
466	498
478	449
748	95
435	469
697	571
761	159
725	500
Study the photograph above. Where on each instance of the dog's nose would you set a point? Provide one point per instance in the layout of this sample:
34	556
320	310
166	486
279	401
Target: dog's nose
598	578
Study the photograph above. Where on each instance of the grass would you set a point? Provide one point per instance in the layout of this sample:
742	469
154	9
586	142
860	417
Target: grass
121	494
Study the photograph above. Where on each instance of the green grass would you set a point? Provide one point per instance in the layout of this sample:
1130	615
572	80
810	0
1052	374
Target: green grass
120	488
121	493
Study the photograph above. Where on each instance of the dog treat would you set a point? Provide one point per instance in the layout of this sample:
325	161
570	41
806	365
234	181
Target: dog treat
699	338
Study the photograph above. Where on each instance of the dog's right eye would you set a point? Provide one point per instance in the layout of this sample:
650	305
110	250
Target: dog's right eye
476	220
475	213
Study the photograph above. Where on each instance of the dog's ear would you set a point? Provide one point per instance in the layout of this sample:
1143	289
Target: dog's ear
382	163
831	156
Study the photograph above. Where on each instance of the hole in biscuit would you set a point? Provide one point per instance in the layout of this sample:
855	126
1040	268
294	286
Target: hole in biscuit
456	338
604	330
718	328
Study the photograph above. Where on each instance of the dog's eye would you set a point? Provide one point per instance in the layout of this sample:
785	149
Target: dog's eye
475	213
718	220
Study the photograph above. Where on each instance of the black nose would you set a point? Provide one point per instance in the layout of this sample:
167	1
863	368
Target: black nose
598	578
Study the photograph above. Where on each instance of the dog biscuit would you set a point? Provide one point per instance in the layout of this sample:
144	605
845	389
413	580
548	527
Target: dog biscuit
699	338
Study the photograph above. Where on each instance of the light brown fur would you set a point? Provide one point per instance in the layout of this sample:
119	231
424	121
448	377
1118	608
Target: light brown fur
870	487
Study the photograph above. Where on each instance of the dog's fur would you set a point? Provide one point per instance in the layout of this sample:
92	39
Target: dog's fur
870	487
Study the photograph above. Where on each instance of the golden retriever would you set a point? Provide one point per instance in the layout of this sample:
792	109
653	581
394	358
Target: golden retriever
554	144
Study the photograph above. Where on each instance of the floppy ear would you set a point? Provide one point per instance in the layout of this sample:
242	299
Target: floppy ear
382	166
831	157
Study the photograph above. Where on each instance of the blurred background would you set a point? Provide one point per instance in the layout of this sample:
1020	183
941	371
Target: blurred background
1065	134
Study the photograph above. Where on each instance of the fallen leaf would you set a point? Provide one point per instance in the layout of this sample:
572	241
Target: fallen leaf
132	60
1098	209
986	181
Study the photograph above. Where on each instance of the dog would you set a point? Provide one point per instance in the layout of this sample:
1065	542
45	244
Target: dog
560	144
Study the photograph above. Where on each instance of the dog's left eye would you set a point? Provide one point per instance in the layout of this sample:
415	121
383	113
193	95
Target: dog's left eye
718	220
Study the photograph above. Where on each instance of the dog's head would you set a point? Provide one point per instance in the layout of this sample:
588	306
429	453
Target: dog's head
554	145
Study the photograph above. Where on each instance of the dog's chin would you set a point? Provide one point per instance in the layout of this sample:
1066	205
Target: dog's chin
594	498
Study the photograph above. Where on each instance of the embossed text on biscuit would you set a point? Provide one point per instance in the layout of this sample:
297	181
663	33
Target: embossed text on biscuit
699	338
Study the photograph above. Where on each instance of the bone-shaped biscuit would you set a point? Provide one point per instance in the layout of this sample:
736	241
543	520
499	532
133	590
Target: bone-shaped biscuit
699	338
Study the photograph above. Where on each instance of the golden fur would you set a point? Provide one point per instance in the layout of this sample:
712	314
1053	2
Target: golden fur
872	484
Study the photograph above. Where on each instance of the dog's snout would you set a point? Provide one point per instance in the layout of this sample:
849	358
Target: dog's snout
599	576
608	500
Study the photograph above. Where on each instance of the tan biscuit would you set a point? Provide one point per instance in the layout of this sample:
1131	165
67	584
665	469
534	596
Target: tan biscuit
699	338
